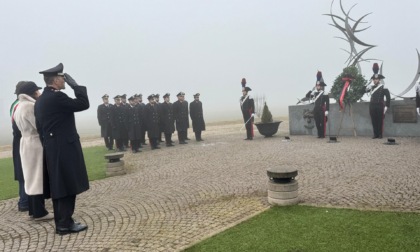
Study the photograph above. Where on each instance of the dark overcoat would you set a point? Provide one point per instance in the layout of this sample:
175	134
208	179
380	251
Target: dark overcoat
167	117
65	164
119	121
134	118
151	117
248	108
104	119
17	165
181	115
196	113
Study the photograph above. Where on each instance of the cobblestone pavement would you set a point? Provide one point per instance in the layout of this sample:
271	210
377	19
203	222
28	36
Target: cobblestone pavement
174	197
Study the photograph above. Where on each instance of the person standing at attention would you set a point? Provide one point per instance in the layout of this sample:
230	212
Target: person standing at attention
31	152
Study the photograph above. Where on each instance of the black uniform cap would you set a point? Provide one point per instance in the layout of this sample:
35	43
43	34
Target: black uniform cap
117	97
105	96
131	98
247	89
180	94
28	88
55	71
166	95
197	95
123	96
156	95
151	97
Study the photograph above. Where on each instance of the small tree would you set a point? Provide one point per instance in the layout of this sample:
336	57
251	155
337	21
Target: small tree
266	117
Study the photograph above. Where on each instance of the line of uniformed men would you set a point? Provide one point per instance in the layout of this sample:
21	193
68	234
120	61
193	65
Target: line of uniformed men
129	121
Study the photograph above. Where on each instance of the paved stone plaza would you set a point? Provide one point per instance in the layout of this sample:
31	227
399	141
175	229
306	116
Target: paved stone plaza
175	197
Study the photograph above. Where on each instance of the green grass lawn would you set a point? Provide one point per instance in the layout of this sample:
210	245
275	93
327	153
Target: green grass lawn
303	228
95	164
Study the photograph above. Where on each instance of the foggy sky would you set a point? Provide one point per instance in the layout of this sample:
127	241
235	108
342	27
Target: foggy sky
117	47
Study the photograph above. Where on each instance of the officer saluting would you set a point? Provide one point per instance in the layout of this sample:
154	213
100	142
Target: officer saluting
377	106
54	112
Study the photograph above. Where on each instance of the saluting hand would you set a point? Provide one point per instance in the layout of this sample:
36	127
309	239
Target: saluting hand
72	83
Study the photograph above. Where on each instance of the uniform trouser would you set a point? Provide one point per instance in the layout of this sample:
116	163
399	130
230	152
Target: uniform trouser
197	135
153	142
23	197
135	144
63	211
119	143
168	138
182	136
37	205
319	117
109	142
376	111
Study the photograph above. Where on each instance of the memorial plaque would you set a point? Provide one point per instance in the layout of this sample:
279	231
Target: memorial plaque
404	114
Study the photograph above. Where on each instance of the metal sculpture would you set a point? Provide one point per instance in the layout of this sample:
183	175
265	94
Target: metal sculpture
355	56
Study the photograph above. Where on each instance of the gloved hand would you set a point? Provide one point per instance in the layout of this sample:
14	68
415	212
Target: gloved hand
385	109
72	83
370	86
418	111
253	115
326	113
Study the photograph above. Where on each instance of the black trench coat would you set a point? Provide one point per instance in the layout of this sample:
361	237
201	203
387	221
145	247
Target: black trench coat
167	118
196	113
54	113
181	115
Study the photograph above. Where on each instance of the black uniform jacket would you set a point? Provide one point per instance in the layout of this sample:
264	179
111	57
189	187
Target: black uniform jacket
196	113
247	107
167	117
54	113
104	119
181	115
119	121
152	120
134	121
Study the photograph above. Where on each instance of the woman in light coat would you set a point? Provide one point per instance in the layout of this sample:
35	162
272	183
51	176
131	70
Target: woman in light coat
31	152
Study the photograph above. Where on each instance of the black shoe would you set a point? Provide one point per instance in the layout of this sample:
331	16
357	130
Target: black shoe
187	138
110	148
183	142
23	209
161	141
199	140
374	137
154	148
74	228
169	145
172	141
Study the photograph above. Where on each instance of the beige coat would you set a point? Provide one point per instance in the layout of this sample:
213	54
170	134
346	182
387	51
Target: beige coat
30	146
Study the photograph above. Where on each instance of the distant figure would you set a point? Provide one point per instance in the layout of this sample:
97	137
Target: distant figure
17	165
134	118
377	106
418	98
31	152
151	116
157	104
167	119
118	122
248	110
181	117
196	113
54	112
104	120
322	105
143	123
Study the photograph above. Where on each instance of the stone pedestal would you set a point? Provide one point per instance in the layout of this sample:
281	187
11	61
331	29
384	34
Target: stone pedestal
282	186
115	165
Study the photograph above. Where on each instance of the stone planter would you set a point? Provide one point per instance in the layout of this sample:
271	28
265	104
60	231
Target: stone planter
282	186
268	129
115	165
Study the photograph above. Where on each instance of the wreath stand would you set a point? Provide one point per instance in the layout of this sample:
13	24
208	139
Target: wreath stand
352	119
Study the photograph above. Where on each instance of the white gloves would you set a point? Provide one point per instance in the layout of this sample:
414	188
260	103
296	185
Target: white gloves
418	111
370	86
253	115
326	113
385	109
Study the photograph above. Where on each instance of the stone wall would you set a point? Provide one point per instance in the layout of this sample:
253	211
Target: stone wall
298	125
